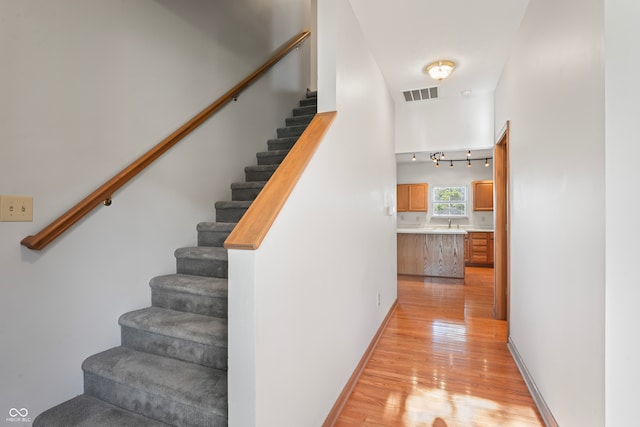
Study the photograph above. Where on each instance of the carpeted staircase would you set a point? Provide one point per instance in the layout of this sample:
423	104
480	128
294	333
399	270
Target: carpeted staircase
171	368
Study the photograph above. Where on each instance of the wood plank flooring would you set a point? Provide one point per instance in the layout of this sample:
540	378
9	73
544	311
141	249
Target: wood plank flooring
442	361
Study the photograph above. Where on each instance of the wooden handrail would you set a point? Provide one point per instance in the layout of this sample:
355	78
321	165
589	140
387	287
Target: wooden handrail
255	223
103	194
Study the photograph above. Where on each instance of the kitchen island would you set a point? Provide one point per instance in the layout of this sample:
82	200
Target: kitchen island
437	252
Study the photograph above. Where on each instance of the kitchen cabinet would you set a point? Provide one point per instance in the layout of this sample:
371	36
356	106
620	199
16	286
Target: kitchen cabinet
482	195
412	197
479	248
466	248
431	254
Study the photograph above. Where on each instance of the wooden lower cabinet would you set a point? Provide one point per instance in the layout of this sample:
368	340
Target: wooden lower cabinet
479	248
437	255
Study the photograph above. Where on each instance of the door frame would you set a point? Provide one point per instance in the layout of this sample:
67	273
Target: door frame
502	238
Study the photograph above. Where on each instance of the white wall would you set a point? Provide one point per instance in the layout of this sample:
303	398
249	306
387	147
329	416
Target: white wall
87	87
460	174
306	299
622	178
552	90
450	124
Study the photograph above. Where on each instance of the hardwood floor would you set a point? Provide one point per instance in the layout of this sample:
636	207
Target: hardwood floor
442	361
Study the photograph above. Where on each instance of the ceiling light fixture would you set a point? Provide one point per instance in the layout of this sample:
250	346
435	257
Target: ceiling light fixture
451	164
486	162
468	153
440	70
413	158
468	163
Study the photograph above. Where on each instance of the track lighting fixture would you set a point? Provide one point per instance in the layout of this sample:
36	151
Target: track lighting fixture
439	156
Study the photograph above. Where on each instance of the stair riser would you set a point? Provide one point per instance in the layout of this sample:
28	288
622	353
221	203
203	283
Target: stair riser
253	176
148	404
297	121
188	351
304	111
281	144
247	194
290	131
308	102
213	238
271	160
202	267
198	304
230	214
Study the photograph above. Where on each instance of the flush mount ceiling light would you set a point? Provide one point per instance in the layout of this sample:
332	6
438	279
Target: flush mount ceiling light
440	69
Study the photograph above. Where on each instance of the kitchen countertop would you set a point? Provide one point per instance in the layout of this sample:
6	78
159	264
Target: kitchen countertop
445	230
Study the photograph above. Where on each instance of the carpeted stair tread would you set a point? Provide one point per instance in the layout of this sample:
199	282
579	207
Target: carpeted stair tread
194	294
248	185
171	390
247	191
299	120
291	131
180	335
216	226
195	285
272	153
261	168
210	261
282	143
178	324
233	204
305	111
202	252
272	157
312	94
215	233
309	101
87	411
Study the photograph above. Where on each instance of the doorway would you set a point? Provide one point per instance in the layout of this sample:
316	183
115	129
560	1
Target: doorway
501	239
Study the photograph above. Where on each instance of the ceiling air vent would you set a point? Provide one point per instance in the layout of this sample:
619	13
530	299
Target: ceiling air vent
420	94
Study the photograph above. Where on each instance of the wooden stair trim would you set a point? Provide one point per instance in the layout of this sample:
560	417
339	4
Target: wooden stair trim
104	193
256	222
337	408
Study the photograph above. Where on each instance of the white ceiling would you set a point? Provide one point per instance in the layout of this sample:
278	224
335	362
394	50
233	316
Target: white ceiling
406	35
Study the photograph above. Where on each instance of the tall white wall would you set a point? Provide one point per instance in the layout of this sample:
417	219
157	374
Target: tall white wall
306	299
87	87
443	176
552	91
449	124
622	179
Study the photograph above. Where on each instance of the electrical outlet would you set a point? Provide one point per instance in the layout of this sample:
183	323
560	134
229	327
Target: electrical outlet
16	208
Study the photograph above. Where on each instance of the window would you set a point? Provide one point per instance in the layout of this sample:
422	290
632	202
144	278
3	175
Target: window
450	201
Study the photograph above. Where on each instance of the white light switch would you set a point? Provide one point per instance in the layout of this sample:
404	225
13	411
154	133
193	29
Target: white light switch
16	208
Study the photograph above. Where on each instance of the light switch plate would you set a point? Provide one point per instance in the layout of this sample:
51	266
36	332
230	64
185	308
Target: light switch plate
16	208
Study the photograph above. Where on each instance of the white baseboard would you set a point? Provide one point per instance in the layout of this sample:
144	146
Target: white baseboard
544	410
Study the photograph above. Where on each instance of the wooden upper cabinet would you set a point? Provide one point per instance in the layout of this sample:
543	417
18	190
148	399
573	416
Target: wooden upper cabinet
402	196
482	195
412	197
